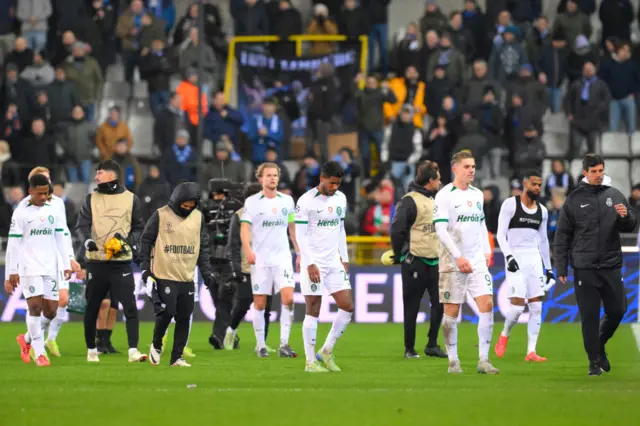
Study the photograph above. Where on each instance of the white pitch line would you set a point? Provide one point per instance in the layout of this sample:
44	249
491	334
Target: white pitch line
636	334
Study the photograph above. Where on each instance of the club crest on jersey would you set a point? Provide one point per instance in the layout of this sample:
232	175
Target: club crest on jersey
478	205
284	211
469	203
609	202
169	227
51	219
167	290
339	211
330	209
314	287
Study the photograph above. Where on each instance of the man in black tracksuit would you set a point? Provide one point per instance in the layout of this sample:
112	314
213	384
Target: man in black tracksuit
416	245
175	240
110	224
587	235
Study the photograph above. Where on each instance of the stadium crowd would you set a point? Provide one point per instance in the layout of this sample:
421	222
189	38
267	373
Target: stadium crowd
473	79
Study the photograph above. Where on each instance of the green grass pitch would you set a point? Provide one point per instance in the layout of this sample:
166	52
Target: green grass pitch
376	387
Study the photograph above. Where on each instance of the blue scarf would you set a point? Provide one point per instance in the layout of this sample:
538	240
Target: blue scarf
182	155
468	14
443	59
585	90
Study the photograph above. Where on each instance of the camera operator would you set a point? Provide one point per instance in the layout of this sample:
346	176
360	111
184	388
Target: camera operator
241	276
224	200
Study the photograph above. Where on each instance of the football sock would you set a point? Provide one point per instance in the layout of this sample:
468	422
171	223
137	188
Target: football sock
340	323
309	331
511	319
286	319
485	331
258	327
450	331
533	327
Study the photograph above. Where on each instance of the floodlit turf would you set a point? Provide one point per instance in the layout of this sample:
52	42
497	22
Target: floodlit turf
376	387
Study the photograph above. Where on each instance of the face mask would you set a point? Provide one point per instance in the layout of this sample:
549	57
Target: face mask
532	195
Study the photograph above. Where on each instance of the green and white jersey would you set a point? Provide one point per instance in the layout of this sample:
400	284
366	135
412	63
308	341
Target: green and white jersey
36	239
464	215
324	217
269	219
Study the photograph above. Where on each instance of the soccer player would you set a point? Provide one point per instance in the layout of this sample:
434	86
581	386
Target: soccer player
35	252
322	240
265	219
522	236
61	315
464	259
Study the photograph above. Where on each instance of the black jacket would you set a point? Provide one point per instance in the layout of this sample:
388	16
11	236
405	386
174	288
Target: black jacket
588	229
154	193
405	217
185	191
158	68
85	220
234	244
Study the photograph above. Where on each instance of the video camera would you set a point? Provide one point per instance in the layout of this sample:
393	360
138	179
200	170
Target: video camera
225	198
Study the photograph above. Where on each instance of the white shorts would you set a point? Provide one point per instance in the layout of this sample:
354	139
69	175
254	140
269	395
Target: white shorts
454	286
332	278
527	282
268	280
64	285
40	285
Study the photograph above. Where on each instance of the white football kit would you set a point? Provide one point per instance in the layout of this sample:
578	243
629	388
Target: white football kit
522	233
37	250
460	225
269	219
322	241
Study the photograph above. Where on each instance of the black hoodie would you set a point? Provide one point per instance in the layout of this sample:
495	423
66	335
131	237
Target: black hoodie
588	230
186	191
405	217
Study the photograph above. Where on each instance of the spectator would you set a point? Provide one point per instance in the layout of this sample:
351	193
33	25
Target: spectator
378	216
39	148
491	207
450	58
7	19
524	12
439	144
62	94
63	48
78	142
165	10
616	17
223	165
284	93
40	73
169	121
439	88
552	69
559	179
180	161
351	173
17	91
586	6
582	53
131	175
377	12
84	72
104	18
66	14
503	21
110	132
491	120
288	22
70	209
539	37
532	91
461	37
136	29
433	19
623	78
213	33
252	20
475	88
16	194
407	90
154	192
370	102
265	130
273	157
190	59
555	207
321	24
34	15
42	109
516	186
587	108
188	92
406	140
406	52
157	67
13	129
430	48
222	120
21	56
508	57
307	177
634	200
519	116
9	169
334	6
573	23
323	100
476	22
472	138
530	152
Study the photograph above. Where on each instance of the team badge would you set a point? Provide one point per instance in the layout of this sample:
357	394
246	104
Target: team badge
32	289
284	211
609	202
169	227
330	209
51	219
339	211
256	287
469	203
167	290
478	205
447	295
314	287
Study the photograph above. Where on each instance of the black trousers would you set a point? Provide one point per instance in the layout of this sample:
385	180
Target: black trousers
115	278
173	300
242	302
595	288
418	277
223	302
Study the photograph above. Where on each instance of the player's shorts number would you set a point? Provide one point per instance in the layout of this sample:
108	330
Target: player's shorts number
345	275
55	285
487	278
286	274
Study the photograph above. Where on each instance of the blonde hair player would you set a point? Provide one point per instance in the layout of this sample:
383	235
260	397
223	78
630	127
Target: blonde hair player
464	259
263	230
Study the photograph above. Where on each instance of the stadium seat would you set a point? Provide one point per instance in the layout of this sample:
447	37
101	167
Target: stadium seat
615	145
106	104
575	169
115	90
175	82
546	169
292	167
635	172
77	192
115	72
618	170
556	144
140	90
556	123
141	125
635	144
207	149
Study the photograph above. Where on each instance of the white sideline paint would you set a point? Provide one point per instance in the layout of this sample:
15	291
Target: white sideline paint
636	334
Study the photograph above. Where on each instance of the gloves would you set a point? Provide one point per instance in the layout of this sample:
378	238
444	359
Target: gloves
240	278
209	280
116	246
550	281
512	265
148	283
388	258
90	245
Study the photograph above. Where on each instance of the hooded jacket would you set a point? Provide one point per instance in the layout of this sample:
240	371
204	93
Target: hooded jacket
588	230
185	191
